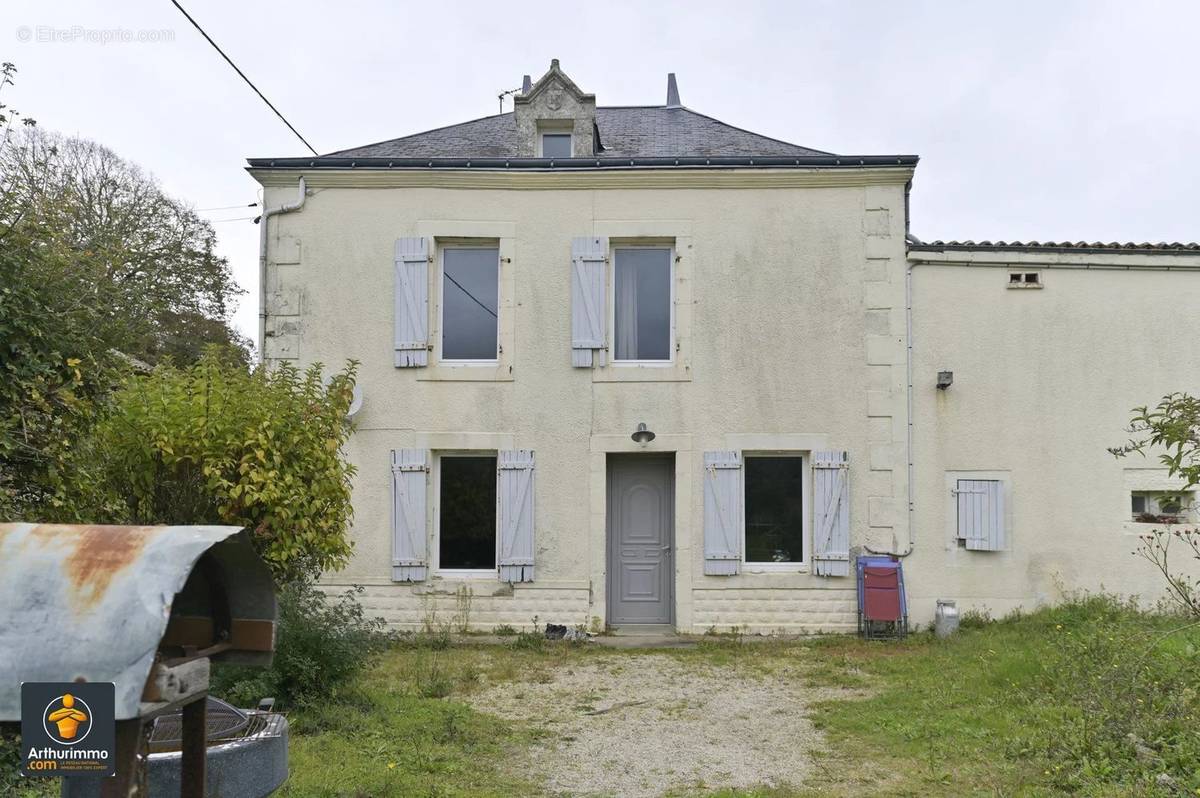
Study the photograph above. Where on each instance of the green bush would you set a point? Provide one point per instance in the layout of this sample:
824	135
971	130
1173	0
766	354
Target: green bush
1124	692
322	643
218	443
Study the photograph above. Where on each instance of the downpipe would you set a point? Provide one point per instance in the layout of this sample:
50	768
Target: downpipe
262	264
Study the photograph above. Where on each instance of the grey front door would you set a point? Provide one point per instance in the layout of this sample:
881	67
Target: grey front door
641	523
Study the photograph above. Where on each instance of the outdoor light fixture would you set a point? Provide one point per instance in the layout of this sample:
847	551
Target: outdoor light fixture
642	434
945	380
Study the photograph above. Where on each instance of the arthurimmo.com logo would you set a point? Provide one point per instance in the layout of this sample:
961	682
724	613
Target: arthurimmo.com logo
67	719
68	729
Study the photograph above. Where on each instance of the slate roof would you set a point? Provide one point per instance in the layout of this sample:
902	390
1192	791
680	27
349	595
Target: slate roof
1190	248
653	131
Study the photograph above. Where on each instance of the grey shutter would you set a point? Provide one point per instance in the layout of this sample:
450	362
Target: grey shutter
981	517
723	517
412	302
589	308
831	513
514	500
409	558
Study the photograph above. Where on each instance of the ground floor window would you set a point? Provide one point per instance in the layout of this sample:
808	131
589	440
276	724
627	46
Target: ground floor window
1160	507
774	486
467	513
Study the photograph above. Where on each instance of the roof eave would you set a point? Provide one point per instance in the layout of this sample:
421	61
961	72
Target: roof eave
591	164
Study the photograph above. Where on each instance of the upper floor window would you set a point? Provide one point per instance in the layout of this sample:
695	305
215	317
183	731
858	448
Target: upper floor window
642	303
469	302
556	145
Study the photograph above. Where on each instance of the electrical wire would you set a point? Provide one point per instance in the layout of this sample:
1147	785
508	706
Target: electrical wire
472	296
229	61
227	207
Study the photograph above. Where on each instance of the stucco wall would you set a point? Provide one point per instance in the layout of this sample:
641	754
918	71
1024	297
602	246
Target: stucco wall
1044	380
791	294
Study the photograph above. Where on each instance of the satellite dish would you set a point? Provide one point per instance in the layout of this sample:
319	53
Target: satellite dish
356	397
356	401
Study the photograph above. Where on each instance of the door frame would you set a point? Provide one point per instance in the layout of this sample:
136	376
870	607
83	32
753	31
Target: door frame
688	555
668	461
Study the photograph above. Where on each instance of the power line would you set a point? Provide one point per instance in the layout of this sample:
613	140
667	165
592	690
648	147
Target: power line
468	293
228	207
239	219
229	60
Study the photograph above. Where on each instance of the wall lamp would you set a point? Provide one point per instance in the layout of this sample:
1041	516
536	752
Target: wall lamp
945	380
642	434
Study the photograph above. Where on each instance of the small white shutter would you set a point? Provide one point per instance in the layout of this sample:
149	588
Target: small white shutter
409	558
831	514
514	508
589	307
723	517
412	302
981	518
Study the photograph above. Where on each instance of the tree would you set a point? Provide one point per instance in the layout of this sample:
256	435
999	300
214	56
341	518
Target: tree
98	269
147	257
1172	426
219	443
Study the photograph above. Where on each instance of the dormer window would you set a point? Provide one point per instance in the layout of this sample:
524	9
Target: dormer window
554	118
556	145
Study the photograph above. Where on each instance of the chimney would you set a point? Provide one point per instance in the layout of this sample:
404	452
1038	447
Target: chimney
526	85
672	91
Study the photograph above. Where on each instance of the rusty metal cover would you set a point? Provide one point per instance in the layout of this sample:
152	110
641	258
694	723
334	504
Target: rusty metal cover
92	602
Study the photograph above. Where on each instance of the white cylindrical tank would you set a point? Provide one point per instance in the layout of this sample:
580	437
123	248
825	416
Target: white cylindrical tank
945	618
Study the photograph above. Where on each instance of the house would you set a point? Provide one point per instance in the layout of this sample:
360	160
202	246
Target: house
637	366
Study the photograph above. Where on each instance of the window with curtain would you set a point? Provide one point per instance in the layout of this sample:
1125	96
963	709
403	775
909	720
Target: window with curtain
470	293
642	303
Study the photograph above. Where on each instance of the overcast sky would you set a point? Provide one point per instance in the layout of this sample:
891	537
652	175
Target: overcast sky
1033	120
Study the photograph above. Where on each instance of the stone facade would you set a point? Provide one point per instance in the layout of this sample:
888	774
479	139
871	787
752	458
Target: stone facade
555	104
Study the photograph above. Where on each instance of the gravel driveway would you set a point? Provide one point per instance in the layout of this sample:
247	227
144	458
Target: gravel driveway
644	724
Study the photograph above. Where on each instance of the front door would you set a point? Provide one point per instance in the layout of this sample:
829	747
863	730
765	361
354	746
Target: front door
641	523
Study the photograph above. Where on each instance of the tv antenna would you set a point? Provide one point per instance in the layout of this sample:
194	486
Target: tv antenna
504	94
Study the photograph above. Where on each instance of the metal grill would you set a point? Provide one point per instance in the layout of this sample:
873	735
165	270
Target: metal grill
223	722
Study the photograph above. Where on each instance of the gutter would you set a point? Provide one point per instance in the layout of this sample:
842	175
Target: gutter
262	263
584	164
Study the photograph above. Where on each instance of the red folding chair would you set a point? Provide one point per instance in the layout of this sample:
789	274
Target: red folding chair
883	613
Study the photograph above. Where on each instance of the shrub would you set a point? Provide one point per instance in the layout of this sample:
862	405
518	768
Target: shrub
220	443
1124	689
322	643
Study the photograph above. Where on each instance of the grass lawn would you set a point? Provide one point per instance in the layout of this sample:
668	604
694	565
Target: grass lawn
1083	699
1086	699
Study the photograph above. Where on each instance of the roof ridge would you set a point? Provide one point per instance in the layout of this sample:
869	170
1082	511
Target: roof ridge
1110	246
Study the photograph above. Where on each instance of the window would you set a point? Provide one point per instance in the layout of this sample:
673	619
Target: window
470	292
982	519
774	487
642	303
556	145
1160	507
1024	280
467	513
